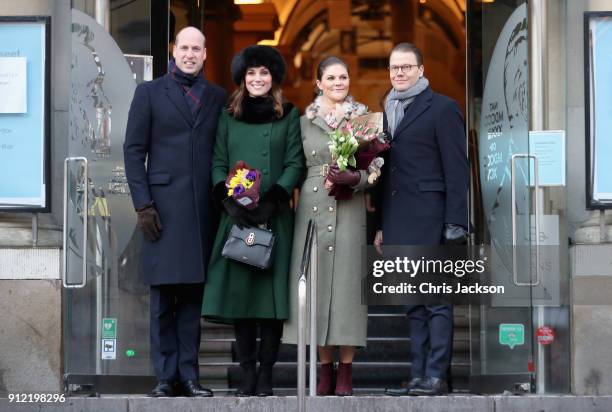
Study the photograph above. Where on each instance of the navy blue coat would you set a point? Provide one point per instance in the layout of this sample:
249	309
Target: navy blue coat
425	178
167	157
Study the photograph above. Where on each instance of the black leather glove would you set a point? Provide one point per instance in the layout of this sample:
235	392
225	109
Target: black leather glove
239	214
149	222
219	194
455	234
274	201
348	177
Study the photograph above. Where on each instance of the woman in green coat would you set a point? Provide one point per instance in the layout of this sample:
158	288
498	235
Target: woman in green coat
341	233
260	130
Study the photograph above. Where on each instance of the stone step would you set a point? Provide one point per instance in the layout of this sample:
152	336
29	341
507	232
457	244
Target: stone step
375	345
365	374
385	361
223	403
379	324
379	350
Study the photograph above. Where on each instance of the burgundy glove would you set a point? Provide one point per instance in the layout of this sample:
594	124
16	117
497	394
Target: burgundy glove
347	178
149	222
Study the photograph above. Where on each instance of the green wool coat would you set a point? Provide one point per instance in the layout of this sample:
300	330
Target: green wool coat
235	290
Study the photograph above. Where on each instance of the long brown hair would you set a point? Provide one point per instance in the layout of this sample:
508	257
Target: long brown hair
234	106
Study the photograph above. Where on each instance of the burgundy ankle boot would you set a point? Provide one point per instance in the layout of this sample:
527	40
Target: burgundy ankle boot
326	380
344	379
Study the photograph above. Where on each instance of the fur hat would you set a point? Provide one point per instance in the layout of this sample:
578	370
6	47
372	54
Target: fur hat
256	56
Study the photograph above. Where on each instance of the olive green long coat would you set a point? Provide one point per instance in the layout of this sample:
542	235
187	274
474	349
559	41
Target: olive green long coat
341	234
235	290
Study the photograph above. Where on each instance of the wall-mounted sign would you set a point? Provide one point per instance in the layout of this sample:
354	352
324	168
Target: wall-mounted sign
24	113
598	105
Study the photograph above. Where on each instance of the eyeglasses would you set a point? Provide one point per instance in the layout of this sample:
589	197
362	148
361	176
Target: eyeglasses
404	68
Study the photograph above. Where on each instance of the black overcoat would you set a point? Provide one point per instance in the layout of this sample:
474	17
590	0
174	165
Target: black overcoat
425	178
167	155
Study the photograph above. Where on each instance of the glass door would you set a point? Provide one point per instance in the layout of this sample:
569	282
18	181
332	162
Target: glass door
105	306
504	209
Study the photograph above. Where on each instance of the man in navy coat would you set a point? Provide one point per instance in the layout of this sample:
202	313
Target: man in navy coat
168	147
423	200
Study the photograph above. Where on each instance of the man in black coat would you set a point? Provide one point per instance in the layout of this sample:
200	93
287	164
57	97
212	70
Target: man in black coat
168	147
423	200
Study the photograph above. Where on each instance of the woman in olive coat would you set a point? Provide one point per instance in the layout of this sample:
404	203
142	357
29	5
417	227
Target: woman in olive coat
341	233
260	130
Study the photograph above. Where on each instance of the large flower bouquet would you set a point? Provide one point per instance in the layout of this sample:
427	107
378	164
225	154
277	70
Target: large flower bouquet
242	185
357	145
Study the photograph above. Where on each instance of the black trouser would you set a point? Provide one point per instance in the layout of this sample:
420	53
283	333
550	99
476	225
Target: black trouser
431	340
175	330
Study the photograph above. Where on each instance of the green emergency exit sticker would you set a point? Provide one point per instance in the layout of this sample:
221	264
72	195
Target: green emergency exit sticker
109	328
511	334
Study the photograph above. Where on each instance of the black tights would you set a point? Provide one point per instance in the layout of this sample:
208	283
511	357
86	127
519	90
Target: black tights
270	333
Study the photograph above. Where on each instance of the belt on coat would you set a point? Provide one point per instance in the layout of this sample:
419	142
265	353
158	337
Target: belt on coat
319	170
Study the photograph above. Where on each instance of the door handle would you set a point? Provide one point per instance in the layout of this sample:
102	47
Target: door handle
537	220
85	222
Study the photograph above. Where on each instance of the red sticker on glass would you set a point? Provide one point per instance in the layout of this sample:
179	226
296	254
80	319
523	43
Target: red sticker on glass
545	335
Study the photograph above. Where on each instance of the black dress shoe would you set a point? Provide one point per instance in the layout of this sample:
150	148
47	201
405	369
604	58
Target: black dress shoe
404	391
430	387
162	389
192	389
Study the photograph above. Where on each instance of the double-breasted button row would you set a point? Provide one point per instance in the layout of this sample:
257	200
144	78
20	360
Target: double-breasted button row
329	209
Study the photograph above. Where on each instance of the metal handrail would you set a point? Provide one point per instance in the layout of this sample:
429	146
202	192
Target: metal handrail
85	223
308	266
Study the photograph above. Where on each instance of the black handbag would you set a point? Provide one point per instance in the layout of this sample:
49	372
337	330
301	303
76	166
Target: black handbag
250	245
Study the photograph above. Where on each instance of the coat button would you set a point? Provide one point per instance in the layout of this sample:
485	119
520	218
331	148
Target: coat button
314	208
266	134
330	248
394	168
331	208
265	171
315	189
393	193
330	228
264	152
314	153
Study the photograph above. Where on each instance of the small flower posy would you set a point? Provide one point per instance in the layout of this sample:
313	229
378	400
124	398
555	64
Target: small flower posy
357	145
343	146
241	181
242	185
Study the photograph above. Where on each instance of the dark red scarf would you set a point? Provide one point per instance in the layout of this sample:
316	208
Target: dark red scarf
192	86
